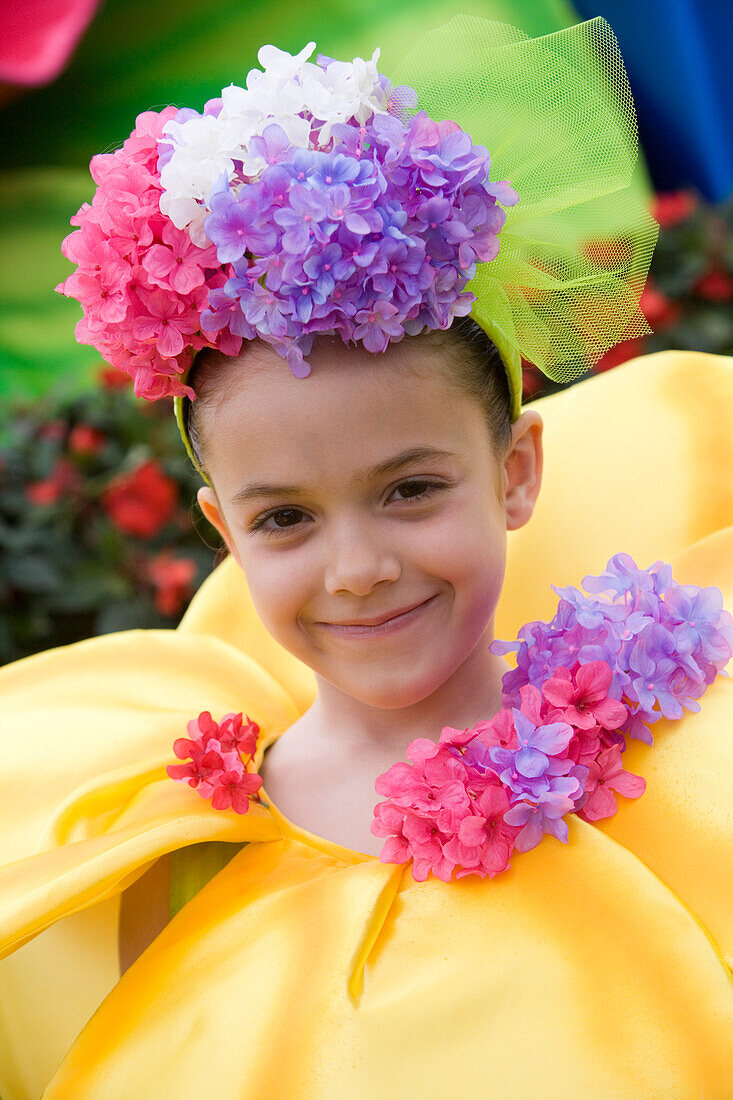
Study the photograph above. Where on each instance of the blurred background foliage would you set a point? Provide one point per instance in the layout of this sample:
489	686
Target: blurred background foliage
99	529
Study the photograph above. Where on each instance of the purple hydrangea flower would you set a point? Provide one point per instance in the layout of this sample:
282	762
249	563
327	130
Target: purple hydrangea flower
325	267
651	677
622	576
273	145
377	325
364	238
263	310
236	226
301	220
705	628
545	813
332	169
527	770
224	311
302	167
664	642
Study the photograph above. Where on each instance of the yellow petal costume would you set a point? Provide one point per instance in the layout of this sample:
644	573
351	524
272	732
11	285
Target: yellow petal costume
600	968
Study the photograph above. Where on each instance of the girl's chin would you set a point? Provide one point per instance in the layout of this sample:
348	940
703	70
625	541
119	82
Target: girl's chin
386	689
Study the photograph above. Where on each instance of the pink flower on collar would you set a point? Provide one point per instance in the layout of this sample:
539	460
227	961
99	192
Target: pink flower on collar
219	753
583	697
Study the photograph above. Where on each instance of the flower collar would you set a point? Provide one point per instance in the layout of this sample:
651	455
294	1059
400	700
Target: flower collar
602	670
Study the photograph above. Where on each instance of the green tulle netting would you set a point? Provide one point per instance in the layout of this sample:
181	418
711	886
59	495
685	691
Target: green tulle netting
557	116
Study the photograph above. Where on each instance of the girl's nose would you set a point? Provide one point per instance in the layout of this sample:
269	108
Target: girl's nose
357	560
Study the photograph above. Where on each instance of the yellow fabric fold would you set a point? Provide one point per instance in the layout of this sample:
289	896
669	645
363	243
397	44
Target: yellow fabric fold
93	723
91	803
302	969
682	826
577	973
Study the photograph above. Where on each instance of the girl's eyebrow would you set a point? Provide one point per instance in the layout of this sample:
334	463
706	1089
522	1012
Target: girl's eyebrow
404	458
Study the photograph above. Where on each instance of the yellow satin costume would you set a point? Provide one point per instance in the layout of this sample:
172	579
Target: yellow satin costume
596	969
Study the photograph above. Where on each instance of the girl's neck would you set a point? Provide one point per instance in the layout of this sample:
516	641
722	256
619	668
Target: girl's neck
321	772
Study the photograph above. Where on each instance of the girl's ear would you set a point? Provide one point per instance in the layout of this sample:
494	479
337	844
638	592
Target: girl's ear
523	469
209	505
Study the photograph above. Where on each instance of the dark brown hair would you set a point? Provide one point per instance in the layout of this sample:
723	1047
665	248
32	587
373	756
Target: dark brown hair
477	372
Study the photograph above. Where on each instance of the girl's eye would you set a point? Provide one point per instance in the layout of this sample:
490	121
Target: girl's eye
428	488
259	524
282	517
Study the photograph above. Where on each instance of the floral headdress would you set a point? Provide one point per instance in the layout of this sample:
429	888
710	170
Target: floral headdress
323	198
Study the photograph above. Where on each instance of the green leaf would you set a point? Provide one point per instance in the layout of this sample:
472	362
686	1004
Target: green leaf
32	573
88	588
126	615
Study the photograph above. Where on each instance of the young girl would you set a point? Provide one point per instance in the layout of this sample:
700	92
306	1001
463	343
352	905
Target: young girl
363	902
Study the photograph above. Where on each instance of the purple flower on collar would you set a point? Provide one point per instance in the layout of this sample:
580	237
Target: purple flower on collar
545	813
535	756
653	667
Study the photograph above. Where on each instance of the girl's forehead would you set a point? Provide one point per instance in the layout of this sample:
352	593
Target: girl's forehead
347	416
367	392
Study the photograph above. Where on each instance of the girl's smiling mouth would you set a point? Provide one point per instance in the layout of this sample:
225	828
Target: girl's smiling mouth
377	630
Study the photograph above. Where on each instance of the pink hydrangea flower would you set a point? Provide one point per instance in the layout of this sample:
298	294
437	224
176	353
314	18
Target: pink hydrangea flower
484	842
218	754
141	282
606	774
443	814
583	698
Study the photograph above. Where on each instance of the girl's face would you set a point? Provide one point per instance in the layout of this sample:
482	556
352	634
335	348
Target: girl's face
369	488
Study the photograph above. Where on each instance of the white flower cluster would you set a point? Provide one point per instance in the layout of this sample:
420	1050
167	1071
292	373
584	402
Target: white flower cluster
290	91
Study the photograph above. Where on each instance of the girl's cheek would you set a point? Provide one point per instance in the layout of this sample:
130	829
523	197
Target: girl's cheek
455	545
280	585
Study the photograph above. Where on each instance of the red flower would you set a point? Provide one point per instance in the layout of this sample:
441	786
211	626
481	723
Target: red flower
233	784
172	578
63	479
86	440
217	769
141	503
716	285
112	379
673	207
659	310
233	735
53	431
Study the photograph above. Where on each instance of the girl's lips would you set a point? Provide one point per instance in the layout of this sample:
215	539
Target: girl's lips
389	627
